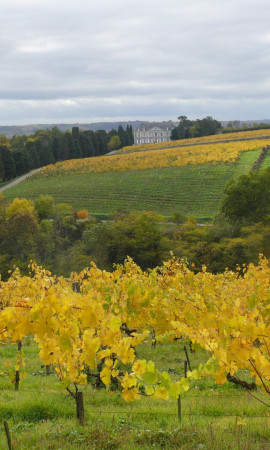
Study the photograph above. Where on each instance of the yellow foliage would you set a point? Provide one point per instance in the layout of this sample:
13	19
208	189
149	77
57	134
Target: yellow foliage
20	206
199	140
169	157
227	314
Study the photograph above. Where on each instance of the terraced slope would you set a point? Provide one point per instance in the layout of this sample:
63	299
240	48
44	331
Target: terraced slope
192	189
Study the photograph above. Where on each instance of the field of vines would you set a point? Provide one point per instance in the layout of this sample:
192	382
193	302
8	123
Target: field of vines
164	358
153	159
241	135
192	189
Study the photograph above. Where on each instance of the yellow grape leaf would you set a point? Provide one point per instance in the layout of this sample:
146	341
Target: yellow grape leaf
131	394
162	392
65	342
139	367
128	381
105	376
165	379
104	353
149	390
183	385
115	323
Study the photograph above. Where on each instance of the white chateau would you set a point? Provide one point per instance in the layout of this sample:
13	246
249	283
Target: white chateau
152	133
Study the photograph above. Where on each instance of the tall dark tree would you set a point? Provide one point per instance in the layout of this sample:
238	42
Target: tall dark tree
56	148
2	169
31	149
77	151
22	161
121	133
87	146
65	146
44	150
18	142
8	163
101	136
95	144
129	135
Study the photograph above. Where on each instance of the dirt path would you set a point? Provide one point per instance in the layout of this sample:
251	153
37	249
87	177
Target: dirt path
18	180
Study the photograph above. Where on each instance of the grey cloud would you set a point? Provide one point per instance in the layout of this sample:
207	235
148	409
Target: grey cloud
101	59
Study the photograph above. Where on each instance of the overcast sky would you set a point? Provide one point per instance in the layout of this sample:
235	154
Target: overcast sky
103	60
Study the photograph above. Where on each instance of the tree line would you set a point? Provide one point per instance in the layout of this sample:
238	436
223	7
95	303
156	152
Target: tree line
64	240
208	126
21	154
187	128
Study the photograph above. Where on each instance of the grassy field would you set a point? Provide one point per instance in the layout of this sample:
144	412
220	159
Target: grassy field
192	190
42	416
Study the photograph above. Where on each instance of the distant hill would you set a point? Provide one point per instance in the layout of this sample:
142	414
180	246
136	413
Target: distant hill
240	123
13	130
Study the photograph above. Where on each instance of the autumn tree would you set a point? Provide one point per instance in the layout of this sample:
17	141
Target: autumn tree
114	143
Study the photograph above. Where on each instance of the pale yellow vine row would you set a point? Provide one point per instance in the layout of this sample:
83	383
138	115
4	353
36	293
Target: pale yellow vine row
153	159
214	138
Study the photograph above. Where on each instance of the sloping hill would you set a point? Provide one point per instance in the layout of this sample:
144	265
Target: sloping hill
105	184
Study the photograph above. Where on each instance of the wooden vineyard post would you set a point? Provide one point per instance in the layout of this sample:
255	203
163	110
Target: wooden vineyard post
8	435
188	361
154	341
17	373
80	408
190	347
185	369
179	406
76	287
78	397
48	369
179	411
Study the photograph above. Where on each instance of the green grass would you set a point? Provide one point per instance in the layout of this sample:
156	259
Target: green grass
266	161
42	416
192	190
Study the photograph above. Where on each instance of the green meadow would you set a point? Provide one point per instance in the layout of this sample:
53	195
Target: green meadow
41	415
193	190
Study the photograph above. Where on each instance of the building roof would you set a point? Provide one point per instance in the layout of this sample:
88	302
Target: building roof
146	126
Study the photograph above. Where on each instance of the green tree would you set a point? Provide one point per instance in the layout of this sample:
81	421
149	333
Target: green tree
122	135
65	146
46	241
77	151
2	169
207	126
101	137
114	143
9	168
129	135
44	206
22	161
139	237
248	198
31	149
21	238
